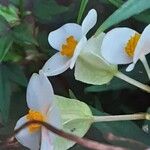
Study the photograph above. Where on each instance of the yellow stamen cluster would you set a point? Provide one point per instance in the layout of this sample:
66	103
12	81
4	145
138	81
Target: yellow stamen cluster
69	47
131	44
34	115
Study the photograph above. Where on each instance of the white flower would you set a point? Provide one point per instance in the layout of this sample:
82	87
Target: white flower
40	100
69	41
125	45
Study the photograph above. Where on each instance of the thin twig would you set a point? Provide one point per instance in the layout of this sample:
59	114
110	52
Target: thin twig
81	141
130	142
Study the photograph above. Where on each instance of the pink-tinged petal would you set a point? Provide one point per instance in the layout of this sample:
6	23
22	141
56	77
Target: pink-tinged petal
113	45
26	138
46	142
143	46
77	51
57	64
58	37
40	93
89	21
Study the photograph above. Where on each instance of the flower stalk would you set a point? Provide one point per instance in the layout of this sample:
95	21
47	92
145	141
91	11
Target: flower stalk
146	66
133	82
137	116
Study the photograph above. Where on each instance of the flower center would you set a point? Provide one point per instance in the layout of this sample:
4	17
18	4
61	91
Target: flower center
69	47
131	44
34	115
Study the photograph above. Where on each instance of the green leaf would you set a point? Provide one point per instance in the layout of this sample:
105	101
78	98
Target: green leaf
16	74
81	11
4	26
5	44
23	34
127	10
91	67
50	7
126	129
10	13
76	117
143	17
5	92
114	84
116	3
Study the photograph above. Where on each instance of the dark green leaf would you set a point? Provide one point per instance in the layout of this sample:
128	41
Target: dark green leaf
16	74
5	44
127	10
4	26
5	92
23	34
50	7
143	17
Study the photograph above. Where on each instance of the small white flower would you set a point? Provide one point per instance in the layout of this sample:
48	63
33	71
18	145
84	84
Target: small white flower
40	100
125	45
69	41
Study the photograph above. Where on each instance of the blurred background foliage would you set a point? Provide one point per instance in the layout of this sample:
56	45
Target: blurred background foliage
24	28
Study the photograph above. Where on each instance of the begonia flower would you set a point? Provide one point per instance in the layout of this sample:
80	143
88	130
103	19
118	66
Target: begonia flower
40	100
68	40
124	45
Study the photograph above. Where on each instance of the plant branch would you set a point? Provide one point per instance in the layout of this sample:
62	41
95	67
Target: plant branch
81	141
133	82
138	116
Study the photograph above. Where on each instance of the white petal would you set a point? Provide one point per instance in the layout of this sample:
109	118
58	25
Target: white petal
54	118
143	46
40	93
46	143
58	37
57	64
27	139
114	43
77	51
89	21
130	67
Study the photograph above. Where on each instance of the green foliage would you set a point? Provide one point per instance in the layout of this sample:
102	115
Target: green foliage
128	9
81	11
91	67
23	34
76	118
5	44
5	92
9	73
126	129
10	13
143	17
50	7
16	74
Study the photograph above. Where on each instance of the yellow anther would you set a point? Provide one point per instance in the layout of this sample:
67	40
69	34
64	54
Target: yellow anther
131	44
34	115
69	47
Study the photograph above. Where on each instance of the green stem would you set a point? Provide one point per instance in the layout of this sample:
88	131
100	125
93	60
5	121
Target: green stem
132	81
146	66
137	116
81	10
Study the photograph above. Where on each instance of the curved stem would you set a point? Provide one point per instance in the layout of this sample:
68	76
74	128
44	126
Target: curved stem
138	116
146	66
133	82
